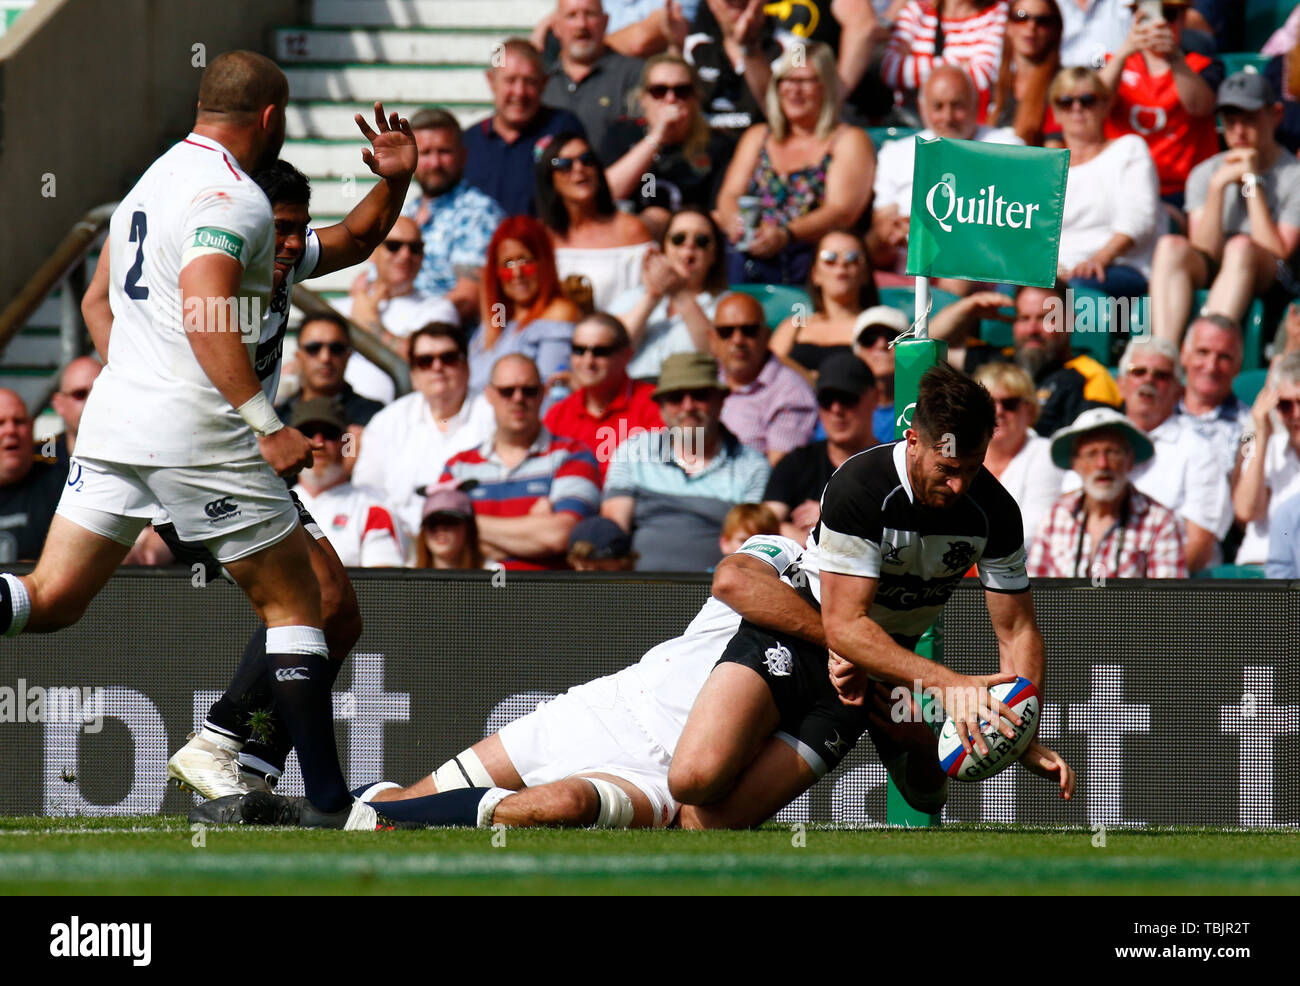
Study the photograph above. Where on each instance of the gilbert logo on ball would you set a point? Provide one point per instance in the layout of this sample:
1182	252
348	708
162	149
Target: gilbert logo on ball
1022	698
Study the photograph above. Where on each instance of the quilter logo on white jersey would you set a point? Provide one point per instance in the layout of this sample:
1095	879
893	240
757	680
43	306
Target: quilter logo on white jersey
102	940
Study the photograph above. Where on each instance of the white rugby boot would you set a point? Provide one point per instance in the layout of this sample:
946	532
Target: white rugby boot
209	765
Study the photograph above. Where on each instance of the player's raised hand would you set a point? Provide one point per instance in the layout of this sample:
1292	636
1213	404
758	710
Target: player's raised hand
392	152
1047	763
287	451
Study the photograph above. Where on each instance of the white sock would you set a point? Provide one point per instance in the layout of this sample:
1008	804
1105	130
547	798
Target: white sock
369	793
20	604
363	818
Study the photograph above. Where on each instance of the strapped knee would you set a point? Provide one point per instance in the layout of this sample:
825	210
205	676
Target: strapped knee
461	771
615	805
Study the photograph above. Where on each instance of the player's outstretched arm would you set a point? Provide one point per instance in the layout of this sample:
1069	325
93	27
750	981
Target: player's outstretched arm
95	308
1020	645
754	590
391	156
207	285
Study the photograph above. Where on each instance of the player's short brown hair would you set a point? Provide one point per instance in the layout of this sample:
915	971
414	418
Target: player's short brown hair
950	403
239	83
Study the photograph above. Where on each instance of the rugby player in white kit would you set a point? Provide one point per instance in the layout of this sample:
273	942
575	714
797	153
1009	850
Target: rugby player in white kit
599	753
179	420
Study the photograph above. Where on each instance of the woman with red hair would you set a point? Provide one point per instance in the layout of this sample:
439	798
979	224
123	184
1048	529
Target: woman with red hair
524	309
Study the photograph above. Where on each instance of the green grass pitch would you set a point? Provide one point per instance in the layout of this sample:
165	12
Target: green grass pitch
157	855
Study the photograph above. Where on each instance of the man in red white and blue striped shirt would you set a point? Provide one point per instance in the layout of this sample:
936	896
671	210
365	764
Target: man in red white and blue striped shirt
528	487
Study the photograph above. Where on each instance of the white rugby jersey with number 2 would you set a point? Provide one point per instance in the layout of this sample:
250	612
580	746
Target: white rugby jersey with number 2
153	404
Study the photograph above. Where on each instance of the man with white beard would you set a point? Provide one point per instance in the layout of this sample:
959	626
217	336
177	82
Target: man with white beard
359	526
1107	529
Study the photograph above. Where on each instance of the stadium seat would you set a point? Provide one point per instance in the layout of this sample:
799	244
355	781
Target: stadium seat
1263	17
1093	333
1231	572
778	300
1235	61
883	135
1252	329
904	299
1248	384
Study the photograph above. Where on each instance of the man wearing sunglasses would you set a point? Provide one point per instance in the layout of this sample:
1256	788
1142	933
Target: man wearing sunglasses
70	401
846	397
1184	472
672	488
407	444
606	406
324	350
770	407
391	306
530	487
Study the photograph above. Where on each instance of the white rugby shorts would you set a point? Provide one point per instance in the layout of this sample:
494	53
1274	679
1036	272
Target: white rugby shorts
592	729
235	508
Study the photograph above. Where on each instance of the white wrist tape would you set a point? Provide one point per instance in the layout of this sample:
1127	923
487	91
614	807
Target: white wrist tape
260	415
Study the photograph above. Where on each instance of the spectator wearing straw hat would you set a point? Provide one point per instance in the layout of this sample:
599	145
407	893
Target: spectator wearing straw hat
672	488
1107	529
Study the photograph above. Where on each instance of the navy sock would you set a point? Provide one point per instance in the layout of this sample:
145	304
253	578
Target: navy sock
301	687
248	692
273	742
447	808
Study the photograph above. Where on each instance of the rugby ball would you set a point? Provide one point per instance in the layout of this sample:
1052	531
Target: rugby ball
1020	696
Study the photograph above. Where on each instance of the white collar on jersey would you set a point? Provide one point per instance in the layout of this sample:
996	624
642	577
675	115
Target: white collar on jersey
900	467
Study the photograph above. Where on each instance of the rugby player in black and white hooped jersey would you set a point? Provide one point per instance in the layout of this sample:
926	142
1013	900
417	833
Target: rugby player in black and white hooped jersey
221	758
900	525
185	416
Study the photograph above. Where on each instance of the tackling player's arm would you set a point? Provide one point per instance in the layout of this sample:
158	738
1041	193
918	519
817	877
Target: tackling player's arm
95	308
391	156
206	282
754	589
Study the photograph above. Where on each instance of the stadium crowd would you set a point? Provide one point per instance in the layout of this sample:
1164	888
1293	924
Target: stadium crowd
662	280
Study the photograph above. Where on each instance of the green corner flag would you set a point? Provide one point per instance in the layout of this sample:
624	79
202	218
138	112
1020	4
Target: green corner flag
986	212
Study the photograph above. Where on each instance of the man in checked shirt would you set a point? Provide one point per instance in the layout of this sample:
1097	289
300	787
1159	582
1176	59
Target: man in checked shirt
1107	529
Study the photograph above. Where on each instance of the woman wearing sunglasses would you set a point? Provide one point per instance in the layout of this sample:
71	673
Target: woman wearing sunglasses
1112	194
1031	57
591	237
671	311
673	158
524	309
841	286
1017	455
803	172
1165	95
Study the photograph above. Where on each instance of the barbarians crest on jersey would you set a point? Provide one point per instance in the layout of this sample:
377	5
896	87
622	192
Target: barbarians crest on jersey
280	297
779	660
958	556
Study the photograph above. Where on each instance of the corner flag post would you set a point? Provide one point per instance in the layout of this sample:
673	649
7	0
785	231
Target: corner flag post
961	227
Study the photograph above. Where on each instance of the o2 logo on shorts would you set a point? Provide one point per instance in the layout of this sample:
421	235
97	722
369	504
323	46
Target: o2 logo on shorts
222	508
74	477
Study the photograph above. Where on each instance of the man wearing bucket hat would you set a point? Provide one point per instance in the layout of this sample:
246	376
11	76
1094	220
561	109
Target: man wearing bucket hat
671	488
1107	529
1243	212
359	525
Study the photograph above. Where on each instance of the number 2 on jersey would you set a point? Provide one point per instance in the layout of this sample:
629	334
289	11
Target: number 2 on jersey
139	227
